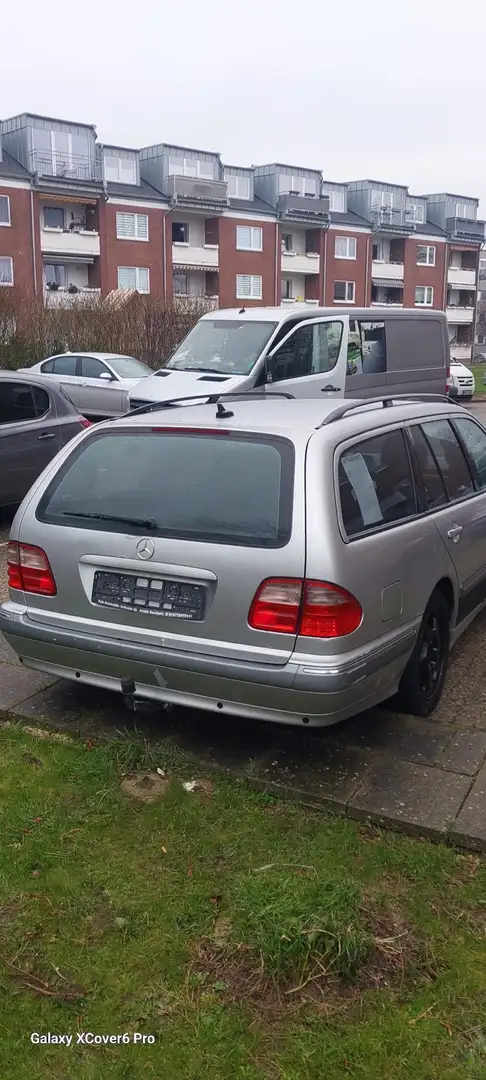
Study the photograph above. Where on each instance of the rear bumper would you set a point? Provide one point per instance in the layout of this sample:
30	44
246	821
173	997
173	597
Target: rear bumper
319	692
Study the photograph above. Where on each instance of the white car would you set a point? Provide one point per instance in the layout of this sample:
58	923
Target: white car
461	380
98	384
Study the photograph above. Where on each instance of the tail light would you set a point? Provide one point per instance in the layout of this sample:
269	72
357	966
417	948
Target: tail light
314	609
29	570
84	422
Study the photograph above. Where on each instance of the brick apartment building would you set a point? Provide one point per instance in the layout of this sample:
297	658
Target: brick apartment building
77	216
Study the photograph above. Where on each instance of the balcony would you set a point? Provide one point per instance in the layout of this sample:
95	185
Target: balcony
63	166
62	297
458	314
387	271
192	257
386	303
195	302
305	209
388	219
465	229
300	262
190	191
461	352
287	301
84	243
458	278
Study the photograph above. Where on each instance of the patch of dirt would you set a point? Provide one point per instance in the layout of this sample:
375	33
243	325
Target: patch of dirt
236	971
42	733
147	787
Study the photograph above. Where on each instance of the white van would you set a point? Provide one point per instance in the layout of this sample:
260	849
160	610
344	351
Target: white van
340	352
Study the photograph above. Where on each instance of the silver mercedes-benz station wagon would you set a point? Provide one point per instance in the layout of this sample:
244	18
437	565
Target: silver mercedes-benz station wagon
286	560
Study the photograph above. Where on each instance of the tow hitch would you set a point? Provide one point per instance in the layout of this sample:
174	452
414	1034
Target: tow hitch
140	704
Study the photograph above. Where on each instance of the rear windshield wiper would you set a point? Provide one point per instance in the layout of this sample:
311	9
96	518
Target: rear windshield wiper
143	523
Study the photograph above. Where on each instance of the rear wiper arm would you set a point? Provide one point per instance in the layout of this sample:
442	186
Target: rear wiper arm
143	523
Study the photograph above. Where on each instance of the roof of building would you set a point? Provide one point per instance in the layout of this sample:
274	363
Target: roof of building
54	119
12	168
448	195
281	165
379	183
429	229
255	205
143	190
349	219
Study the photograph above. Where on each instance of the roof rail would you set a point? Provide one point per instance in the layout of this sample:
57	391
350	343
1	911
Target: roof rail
202	399
386	402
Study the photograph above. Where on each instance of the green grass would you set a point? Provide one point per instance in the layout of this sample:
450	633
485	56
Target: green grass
478	371
254	940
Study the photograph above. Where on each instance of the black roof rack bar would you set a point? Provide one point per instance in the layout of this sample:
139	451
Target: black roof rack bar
385	400
200	399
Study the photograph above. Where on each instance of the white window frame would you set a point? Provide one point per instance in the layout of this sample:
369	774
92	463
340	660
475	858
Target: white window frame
120	179
9	222
349	243
382	198
350	289
255	288
190	167
255	236
461	206
7	258
428	291
333	196
430	253
297	184
136	271
236	182
137	227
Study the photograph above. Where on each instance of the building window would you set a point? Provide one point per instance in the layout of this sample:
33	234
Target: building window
6	270
55	275
297	185
425	255
132	226
248	287
337	200
249	238
4	210
345	247
239	187
53	217
287	242
344	292
179	284
286	289
182	166
419	214
382	198
134	277
461	210
424	295
180	232
120	170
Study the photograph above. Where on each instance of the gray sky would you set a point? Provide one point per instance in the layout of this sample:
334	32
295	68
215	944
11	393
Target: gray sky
390	91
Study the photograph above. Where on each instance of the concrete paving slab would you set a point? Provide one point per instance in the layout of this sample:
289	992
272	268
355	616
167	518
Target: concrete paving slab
465	753
317	773
402	736
417	798
469	828
18	683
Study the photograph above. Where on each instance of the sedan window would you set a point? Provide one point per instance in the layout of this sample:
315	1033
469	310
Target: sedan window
16	403
91	368
375	483
62	365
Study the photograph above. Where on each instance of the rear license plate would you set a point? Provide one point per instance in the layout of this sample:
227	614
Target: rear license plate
153	596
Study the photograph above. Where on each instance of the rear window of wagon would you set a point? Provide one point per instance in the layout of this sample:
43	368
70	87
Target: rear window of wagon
221	487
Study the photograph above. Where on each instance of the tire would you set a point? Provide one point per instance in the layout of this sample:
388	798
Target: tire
422	682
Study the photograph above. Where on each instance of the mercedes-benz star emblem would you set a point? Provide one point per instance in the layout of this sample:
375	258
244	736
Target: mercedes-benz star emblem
145	548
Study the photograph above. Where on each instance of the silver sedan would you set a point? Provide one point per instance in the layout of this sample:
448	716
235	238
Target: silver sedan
98	384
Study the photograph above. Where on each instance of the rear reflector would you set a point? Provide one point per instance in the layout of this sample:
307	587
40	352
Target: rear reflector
314	609
29	570
84	422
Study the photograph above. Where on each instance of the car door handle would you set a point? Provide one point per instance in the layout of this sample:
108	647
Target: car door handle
46	435
324	389
454	533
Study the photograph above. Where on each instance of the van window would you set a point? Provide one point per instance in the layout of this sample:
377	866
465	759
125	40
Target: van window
415	342
474	439
311	349
221	488
225	346
449	457
366	348
375	483
434	493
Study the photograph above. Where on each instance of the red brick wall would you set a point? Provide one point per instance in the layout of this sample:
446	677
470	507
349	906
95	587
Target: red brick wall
424	275
115	253
357	270
233	262
16	238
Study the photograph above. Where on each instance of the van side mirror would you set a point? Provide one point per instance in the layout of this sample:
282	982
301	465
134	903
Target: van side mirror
270	367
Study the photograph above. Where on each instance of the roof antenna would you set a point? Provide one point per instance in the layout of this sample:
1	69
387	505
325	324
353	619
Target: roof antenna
242	311
222	413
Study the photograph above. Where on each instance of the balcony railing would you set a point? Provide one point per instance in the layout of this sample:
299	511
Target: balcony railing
65	166
300	262
193	257
460	314
394	271
458	278
69	242
310	211
466	229
193	191
64	298
390	219
196	301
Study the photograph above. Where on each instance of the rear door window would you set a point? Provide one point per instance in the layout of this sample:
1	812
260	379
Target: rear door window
216	488
64	365
433	489
16	402
91	368
450	458
376	486
473	438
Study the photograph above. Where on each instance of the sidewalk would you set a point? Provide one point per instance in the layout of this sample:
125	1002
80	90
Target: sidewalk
418	776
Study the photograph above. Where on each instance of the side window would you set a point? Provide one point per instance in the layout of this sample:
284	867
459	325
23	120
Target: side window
48	367
16	403
64	365
41	401
433	488
354	363
450	458
474	439
373	347
375	483
91	368
312	348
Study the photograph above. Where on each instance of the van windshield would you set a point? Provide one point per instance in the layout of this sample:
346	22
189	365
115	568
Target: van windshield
225	346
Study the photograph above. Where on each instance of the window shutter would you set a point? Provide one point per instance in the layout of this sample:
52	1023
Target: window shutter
125	225
143	280
6	270
141	221
243	239
4	210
